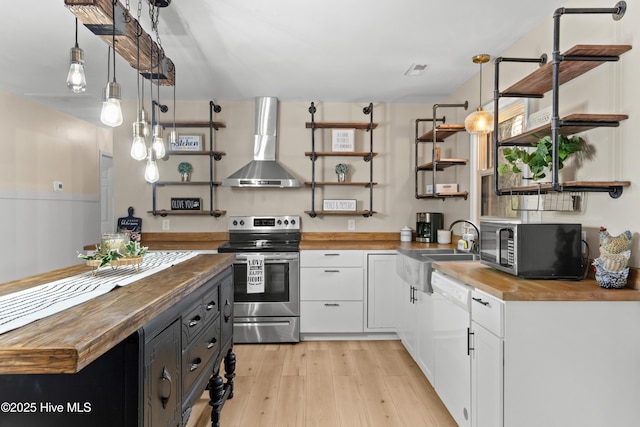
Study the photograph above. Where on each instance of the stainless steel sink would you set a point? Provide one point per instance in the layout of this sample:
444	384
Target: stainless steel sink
415	266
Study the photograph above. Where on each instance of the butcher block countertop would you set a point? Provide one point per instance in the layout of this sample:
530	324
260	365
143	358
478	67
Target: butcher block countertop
512	288
68	341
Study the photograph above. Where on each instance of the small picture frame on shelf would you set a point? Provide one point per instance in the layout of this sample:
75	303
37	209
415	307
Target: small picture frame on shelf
188	143
339	204
343	140
186	203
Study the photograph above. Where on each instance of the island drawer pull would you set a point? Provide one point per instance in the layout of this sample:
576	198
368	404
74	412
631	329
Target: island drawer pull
212	343
193	322
331	304
211	305
194	365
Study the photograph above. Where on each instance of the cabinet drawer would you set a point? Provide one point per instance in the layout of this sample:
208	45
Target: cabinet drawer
192	322
331	259
210	306
488	311
331	283
331	316
197	360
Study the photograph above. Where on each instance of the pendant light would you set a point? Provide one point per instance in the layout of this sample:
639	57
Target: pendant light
76	80
173	135
151	173
479	122
140	126
111	114
158	132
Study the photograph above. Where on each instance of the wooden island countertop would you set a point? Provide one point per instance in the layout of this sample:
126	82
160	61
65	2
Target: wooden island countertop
511	288
69	340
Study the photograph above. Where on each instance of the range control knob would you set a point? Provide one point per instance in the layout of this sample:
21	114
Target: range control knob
293	222
235	222
286	222
242	222
279	222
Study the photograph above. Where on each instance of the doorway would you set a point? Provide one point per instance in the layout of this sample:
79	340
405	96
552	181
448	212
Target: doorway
107	224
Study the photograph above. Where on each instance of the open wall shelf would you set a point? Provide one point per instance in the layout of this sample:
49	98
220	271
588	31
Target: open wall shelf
549	77
367	156
438	133
213	155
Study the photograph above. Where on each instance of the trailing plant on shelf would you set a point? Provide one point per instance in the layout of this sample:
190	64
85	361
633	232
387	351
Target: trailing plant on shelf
540	161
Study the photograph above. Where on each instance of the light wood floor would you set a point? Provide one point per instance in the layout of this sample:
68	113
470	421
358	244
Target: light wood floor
327	384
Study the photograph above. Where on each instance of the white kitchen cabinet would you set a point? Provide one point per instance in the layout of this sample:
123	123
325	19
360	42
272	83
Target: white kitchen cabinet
424	333
560	363
486	360
381	292
331	291
407	317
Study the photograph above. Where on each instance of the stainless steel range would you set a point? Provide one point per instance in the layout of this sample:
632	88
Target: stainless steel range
266	278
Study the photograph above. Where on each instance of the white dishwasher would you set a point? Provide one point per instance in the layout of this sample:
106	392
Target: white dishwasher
452	363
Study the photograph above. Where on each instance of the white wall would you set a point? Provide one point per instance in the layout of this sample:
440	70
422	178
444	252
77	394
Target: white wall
42	229
393	197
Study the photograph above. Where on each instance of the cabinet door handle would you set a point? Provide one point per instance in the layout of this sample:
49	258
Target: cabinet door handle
165	387
331	254
331	305
469	348
193	322
485	303
227	310
212	343
194	365
332	271
211	306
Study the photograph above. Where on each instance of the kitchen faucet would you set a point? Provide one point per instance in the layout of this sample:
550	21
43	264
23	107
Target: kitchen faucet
474	247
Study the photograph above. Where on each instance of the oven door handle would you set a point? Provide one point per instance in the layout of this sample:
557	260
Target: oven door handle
266	260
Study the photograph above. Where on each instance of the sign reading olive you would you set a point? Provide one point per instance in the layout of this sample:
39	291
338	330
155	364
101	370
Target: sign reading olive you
186	203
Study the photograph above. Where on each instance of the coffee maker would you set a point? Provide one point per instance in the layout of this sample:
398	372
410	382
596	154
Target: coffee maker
427	226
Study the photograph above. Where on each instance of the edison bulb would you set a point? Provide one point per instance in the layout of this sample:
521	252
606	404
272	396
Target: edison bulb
138	148
111	114
151	173
76	80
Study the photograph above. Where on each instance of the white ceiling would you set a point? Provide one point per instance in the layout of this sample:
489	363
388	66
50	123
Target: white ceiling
296	50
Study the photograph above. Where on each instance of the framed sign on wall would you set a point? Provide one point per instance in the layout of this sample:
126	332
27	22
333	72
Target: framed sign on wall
188	143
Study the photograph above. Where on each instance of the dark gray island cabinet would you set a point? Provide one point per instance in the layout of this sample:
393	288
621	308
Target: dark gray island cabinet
140	355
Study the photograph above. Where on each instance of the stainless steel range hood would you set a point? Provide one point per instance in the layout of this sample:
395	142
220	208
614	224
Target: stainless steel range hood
264	171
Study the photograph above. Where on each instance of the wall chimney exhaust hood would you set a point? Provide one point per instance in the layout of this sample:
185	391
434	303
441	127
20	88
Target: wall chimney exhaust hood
264	171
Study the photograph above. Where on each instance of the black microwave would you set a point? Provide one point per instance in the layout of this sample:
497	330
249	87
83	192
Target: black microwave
534	251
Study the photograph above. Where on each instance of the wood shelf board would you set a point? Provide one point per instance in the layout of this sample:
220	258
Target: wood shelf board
186	183
196	153
443	195
321	212
531	136
341	125
578	185
442	164
164	212
193	124
539	82
347	183
442	132
340	153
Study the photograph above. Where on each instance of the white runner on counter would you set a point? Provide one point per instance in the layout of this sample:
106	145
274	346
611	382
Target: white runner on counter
23	307
255	274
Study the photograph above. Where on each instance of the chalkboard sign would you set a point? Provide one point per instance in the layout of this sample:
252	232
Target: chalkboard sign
130	225
185	203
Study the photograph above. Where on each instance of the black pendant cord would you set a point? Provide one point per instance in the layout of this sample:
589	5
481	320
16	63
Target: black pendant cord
77	32
113	37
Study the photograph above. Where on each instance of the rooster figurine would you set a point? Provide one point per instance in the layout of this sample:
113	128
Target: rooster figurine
611	266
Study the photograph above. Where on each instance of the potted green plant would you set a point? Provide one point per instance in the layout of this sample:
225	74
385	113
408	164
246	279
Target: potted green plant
539	161
341	170
185	169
